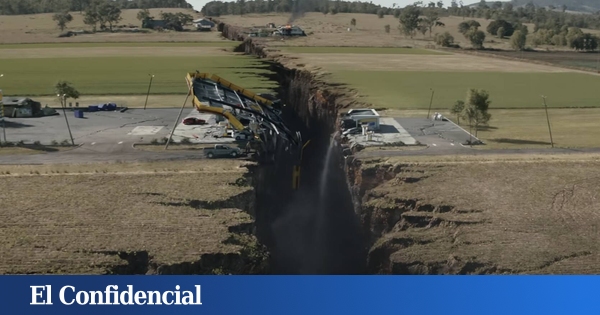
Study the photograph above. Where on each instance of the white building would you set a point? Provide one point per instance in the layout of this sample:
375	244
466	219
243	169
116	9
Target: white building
364	116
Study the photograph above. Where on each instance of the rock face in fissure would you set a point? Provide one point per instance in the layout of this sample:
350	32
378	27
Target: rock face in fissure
312	230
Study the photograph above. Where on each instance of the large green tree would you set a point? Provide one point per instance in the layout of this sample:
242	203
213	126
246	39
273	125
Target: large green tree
62	19
518	40
409	20
476	108
109	13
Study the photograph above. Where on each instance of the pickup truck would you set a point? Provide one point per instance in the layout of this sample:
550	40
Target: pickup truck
220	150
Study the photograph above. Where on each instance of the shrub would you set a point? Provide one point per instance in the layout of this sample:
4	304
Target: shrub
444	40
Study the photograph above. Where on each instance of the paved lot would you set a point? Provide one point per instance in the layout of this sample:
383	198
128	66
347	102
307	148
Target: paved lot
434	133
111	129
437	134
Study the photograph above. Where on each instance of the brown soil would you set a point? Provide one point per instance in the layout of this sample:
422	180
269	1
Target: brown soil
473	218
105	221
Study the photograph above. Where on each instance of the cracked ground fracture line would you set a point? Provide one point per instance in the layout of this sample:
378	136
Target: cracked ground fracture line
119	127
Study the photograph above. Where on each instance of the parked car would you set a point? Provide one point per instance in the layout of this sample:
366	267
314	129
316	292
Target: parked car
241	136
193	121
352	131
221	150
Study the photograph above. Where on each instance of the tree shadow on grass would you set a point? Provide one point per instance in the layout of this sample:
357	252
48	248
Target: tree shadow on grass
486	128
519	141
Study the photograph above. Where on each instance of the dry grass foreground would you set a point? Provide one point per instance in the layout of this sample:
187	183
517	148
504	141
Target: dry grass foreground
39	28
499	217
73	219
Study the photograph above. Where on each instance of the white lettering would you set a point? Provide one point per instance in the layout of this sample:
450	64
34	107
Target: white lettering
82	298
35	294
177	295
198	296
140	296
154	296
96	297
129	294
188	298
49	295
68	295
62	295
164	297
108	292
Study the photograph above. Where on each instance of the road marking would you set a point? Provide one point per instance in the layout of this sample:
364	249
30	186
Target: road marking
452	144
145	130
93	143
120	142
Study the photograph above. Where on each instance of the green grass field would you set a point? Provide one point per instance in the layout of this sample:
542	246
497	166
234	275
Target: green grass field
411	90
125	75
361	50
223	43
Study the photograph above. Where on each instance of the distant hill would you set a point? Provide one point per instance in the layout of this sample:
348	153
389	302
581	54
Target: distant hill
572	5
588	6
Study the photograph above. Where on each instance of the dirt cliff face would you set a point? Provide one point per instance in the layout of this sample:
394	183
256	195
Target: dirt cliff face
313	230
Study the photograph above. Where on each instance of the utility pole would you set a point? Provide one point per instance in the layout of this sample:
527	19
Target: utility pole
2	113
178	116
430	103
148	94
63	103
548	119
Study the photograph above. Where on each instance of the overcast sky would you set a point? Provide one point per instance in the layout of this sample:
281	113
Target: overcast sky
198	4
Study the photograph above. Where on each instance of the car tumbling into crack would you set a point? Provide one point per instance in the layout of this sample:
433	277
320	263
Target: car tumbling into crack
257	117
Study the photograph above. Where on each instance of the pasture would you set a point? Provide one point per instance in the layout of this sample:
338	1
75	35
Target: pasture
122	68
411	89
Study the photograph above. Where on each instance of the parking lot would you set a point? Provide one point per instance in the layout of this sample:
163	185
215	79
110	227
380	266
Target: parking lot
412	131
113	127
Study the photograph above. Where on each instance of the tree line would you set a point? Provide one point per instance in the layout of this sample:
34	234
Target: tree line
217	8
17	7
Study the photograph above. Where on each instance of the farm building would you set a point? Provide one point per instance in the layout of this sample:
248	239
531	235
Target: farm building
203	24
18	107
364	116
